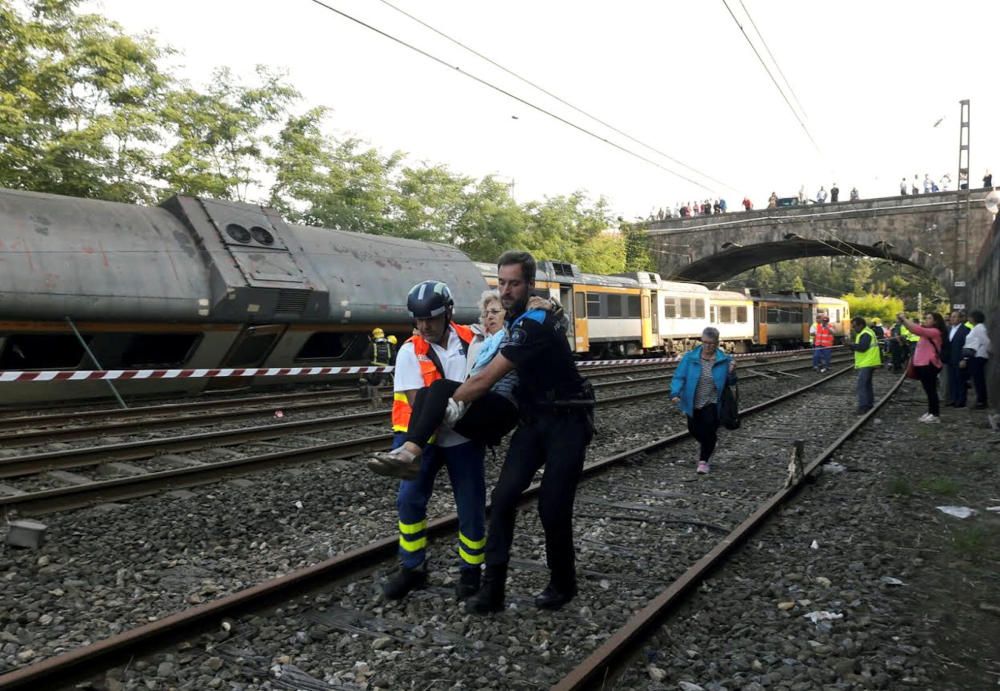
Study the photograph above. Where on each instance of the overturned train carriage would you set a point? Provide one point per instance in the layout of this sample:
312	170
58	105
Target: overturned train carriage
197	283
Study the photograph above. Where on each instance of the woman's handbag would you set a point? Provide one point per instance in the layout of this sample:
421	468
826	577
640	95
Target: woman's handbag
911	370
729	413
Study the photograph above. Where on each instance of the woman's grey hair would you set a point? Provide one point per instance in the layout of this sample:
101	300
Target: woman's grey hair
488	296
710	332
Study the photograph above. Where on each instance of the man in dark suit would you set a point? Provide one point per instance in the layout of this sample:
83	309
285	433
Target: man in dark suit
957	332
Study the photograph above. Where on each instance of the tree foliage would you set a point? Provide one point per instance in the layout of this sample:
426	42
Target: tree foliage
870	306
842	275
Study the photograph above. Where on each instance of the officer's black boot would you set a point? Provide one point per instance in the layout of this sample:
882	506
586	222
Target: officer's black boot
559	591
468	583
405	580
490	596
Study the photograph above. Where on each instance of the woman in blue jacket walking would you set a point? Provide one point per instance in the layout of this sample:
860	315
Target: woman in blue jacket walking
697	388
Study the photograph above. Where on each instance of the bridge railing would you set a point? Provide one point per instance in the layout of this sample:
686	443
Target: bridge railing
927	202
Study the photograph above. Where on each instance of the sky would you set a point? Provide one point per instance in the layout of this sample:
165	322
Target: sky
872	79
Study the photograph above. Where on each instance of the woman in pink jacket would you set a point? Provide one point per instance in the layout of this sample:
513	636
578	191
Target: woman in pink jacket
927	358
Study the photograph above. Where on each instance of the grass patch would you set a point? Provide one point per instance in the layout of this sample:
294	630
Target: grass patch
943	486
900	486
971	543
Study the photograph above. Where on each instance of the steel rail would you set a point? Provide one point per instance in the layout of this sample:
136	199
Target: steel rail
81	663
621	647
263	400
28	464
76	496
48	426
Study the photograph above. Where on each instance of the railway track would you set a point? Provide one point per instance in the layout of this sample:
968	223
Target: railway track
355	568
29	430
169	470
24	424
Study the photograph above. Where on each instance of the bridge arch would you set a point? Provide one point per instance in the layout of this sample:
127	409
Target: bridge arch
936	232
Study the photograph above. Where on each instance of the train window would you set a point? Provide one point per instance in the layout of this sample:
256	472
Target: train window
42	351
634	310
699	309
580	301
614	305
159	350
324	345
725	315
741	314
685	308
594	306
670	308
773	315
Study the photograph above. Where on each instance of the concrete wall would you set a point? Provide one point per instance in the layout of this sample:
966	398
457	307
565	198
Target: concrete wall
984	294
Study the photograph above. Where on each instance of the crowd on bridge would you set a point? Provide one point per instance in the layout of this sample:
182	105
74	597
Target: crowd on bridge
710	207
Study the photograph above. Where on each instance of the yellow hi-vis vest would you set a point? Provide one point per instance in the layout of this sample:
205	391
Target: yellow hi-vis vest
908	335
871	357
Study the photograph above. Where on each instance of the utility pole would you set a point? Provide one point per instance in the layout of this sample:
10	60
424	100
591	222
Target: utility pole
963	145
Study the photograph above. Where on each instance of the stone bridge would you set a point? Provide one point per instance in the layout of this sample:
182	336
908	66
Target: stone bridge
941	233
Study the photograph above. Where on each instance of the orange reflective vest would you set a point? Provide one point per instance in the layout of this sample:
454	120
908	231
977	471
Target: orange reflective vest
824	336
401	409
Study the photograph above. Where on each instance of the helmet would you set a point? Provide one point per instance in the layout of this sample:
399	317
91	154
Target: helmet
392	339
429	299
378	333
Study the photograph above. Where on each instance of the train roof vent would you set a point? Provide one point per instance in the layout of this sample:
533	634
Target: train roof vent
292	301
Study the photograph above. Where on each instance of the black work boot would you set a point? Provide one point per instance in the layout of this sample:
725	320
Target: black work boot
556	594
405	580
468	583
490	596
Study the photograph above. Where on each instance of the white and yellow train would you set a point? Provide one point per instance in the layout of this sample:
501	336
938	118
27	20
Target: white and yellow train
639	313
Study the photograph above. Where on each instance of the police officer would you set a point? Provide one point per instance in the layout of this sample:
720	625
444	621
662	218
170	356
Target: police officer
438	350
556	406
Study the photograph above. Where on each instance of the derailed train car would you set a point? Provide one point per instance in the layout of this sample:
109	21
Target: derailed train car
196	283
199	283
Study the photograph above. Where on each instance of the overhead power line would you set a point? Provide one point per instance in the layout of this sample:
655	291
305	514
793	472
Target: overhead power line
517	98
554	96
774	60
769	74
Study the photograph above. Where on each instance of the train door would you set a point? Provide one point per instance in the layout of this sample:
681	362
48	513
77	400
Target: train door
646	320
250	349
566	299
654	318
581	334
762	324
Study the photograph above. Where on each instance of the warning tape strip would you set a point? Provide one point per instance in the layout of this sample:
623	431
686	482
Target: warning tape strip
118	374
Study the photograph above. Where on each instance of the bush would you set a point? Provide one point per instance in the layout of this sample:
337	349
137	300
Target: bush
869	306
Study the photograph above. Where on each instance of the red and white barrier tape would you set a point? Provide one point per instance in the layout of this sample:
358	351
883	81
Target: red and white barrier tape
89	375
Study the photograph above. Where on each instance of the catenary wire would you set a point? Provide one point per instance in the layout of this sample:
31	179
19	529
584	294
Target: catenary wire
556	97
513	96
774	60
771	75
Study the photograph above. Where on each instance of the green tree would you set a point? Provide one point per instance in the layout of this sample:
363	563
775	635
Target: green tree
219	136
79	103
491	222
638	253
321	182
431	203
869	306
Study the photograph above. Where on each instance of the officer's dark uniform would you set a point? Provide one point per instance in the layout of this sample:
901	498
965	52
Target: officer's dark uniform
556	406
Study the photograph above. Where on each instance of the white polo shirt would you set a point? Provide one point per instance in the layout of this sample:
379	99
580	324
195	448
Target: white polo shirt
408	377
